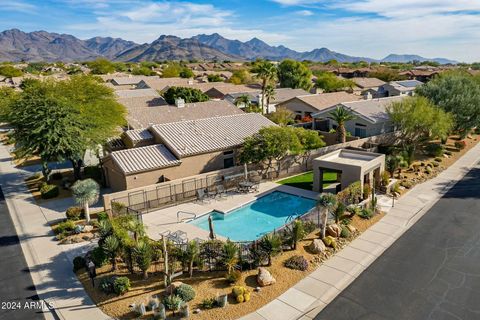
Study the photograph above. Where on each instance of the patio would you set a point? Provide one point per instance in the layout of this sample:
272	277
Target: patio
175	218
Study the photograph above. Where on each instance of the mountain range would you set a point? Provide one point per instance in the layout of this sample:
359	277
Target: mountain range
16	45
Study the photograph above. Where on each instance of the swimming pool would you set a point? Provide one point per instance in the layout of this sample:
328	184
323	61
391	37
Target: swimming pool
255	219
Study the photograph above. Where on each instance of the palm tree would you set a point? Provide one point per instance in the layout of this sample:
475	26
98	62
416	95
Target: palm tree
191	255
326	202
340	116
271	245
111	246
339	212
243	101
269	95
86	193
230	255
266	71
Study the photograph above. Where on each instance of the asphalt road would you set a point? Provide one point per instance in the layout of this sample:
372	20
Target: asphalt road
17	291
431	272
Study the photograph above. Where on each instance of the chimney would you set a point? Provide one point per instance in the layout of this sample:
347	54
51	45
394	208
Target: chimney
368	96
179	103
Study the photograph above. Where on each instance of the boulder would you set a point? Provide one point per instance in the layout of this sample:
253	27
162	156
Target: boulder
173	286
334	230
317	246
351	228
88	228
265	278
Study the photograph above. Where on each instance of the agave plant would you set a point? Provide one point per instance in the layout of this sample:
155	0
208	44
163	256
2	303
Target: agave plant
86	193
111	246
143	257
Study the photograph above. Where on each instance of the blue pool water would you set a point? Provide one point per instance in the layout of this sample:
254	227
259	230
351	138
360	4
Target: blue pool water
261	216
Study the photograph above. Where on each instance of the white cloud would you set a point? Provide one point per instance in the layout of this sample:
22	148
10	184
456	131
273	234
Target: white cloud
304	13
18	6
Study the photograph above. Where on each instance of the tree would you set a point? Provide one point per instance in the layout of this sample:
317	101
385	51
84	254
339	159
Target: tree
242	101
269	95
10	71
187	73
101	66
143	71
282	116
394	163
7	97
329	82
189	95
310	140
341	115
214	78
266	71
240	77
270	146
191	255
457	93
296	232
172	70
230	255
112	248
270	245
86	193
143	257
294	74
326	203
339	212
417	121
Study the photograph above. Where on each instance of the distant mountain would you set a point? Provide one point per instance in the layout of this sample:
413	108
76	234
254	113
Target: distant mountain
16	45
404	58
174	48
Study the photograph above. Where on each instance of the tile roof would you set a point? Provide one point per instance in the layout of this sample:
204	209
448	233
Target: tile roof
284	94
144	158
162	83
132	93
374	110
366	83
188	138
405	85
132	79
323	101
143	112
139	135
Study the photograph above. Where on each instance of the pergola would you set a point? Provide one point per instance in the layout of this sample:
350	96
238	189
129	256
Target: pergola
351	166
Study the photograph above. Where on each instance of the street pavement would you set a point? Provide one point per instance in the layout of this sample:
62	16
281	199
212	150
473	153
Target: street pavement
18	296
431	272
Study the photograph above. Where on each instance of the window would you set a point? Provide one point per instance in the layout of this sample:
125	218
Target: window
228	163
360	132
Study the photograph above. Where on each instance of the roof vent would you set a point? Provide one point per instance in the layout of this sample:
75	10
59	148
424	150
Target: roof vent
179	103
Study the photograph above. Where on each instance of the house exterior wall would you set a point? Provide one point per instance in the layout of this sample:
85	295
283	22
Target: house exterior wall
391	91
297	106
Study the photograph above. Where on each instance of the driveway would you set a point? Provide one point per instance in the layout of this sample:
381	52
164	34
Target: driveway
431	272
16	287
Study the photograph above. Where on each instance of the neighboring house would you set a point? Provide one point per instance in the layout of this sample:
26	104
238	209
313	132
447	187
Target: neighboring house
180	149
352	73
130	80
162	84
371	117
127	93
367	86
420	75
400	88
145	111
306	105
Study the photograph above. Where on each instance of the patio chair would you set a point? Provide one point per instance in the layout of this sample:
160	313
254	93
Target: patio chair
212	193
179	237
202	196
222	192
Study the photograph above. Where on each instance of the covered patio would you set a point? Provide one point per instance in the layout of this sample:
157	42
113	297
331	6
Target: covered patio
351	166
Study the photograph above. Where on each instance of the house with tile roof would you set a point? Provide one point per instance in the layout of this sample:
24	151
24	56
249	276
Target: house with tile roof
179	149
400	88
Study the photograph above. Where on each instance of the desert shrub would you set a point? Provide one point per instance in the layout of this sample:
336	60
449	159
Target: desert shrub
49	191
118	208
366	213
296	263
434	149
75	213
57	176
460	144
233	277
65	226
406	184
99	257
185	292
172	302
385	178
121	285
78	263
367	190
345	232
102	216
396	187
106	285
435	163
438	159
208	303
309	227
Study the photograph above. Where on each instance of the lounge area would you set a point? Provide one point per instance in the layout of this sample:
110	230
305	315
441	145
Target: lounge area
350	165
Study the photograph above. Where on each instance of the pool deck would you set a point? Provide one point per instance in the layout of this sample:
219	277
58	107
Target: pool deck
164	220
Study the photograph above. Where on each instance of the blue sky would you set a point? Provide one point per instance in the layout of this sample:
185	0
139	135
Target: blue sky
373	28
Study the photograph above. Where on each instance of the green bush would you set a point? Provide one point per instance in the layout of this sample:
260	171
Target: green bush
309	227
396	187
172	302
189	95
57	176
106	285
121	285
65	226
75	213
208	303
296	263
385	178
99	257
233	277
434	149
460	144
78	263
102	216
49	191
366	213
345	232
185	292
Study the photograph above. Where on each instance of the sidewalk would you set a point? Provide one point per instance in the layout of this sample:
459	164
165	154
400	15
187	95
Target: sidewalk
50	264
309	296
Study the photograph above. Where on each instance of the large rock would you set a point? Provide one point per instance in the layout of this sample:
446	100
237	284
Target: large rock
265	278
334	230
317	246
173	286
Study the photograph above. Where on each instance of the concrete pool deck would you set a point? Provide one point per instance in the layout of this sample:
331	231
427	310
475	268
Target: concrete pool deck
164	220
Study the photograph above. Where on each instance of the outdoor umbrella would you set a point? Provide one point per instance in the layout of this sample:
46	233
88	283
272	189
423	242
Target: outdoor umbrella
210	227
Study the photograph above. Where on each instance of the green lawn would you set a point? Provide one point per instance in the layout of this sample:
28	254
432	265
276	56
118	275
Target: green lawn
305	181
